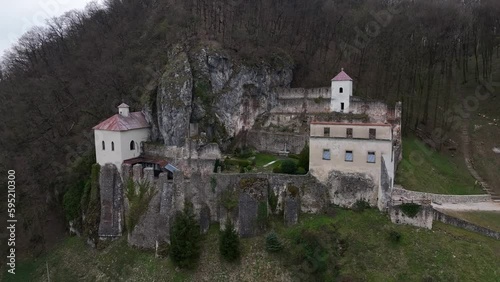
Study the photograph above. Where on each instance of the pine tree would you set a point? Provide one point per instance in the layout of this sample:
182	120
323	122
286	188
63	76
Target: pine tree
185	238
229	243
273	243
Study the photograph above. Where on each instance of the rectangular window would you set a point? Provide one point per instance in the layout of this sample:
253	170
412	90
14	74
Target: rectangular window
348	156
326	131
341	106
326	154
371	157
372	133
349	132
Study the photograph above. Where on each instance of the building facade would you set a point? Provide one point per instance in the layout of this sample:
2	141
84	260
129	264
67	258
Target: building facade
120	137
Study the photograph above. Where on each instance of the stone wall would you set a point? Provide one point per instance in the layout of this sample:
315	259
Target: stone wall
422	219
274	142
377	111
439	216
111	194
399	192
210	151
384	196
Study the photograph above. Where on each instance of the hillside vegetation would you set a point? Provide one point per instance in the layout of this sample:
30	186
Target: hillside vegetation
425	170
61	79
368	253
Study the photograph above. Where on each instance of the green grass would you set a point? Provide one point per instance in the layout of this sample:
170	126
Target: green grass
487	219
262	159
425	170
445	253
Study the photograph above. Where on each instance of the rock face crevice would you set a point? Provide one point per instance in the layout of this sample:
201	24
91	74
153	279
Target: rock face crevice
214	90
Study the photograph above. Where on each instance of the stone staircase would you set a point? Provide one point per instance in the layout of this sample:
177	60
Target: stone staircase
470	165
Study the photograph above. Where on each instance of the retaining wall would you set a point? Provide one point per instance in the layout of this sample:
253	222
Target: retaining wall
439	198
439	216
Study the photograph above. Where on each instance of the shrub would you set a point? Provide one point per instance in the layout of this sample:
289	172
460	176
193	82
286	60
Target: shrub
394	236
288	167
262	219
277	169
273	243
304	158
229	243
138	202
301	170
218	164
185	238
93	209
361	205
72	201
410	209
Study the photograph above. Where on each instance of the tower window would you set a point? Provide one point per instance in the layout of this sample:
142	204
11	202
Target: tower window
112	146
326	131
341	90
348	132
342	107
372	133
132	145
103	146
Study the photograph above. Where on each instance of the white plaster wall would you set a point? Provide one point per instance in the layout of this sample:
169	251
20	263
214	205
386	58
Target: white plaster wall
107	155
338	98
136	135
121	140
320	168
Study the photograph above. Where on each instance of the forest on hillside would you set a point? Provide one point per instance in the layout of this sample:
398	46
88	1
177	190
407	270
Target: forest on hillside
61	79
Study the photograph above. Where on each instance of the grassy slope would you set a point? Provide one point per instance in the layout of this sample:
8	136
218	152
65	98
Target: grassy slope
444	254
425	170
485	130
488	219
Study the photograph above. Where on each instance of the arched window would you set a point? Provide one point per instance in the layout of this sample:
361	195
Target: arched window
112	146
103	146
341	90
132	145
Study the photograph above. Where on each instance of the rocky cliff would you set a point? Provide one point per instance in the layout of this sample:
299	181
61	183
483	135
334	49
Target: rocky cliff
215	89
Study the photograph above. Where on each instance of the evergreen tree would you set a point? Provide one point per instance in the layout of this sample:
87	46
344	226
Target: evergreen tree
185	238
229	243
273	243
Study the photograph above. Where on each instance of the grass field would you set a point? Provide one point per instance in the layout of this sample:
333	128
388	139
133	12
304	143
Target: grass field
443	254
425	170
487	219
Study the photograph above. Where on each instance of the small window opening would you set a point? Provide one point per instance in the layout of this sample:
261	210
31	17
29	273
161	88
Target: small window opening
326	154
326	131
132	145
371	157
112	146
348	156
372	133
103	146
349	132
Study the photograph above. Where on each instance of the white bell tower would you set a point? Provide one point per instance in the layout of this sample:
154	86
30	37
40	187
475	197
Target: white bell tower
341	92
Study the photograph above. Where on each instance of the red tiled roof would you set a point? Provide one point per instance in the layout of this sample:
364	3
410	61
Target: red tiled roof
118	122
342	76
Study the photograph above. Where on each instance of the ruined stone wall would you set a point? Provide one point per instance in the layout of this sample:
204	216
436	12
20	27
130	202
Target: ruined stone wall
422	219
385	190
399	192
439	216
377	111
111	194
194	150
274	142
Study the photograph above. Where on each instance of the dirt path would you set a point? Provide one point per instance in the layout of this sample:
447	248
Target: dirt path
466	145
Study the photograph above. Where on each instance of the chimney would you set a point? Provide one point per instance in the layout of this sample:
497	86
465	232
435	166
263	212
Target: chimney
123	110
